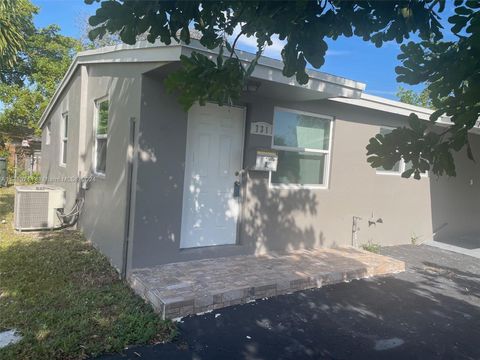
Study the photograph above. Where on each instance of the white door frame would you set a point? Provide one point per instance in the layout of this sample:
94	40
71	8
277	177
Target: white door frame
240	198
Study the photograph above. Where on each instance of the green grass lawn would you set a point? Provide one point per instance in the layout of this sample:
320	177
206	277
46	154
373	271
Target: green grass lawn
64	298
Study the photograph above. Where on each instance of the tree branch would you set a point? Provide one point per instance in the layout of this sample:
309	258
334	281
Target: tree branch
235	43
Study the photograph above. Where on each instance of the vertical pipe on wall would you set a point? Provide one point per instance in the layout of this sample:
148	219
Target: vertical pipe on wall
355	229
129	189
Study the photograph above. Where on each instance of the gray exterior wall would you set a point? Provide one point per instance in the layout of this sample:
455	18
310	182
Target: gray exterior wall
455	200
323	217
272	219
283	220
51	169
103	217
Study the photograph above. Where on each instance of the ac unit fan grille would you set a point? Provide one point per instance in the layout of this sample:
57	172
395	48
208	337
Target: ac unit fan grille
32	210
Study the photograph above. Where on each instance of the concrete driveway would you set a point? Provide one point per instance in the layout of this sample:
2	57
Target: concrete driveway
432	311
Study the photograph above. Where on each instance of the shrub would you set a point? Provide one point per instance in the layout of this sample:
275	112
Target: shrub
24	177
372	247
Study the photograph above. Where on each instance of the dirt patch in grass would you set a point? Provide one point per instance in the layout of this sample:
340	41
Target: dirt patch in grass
64	298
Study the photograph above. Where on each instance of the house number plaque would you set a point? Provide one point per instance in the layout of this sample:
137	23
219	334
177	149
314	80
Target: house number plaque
261	128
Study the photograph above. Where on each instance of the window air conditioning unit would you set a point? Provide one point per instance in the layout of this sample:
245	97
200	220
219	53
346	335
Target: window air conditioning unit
36	206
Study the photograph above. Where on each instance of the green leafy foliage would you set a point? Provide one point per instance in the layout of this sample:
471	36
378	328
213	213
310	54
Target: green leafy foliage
23	107
411	97
41	65
304	25
15	24
25	177
404	143
84	29
202	79
452	71
372	247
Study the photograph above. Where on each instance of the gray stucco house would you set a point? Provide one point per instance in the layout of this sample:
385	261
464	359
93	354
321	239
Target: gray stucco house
171	186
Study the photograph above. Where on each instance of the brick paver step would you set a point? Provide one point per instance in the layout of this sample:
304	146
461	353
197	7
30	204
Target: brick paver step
179	289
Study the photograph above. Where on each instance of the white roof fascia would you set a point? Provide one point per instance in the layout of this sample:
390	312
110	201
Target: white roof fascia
143	51
243	55
110	55
271	70
387	105
398	108
278	65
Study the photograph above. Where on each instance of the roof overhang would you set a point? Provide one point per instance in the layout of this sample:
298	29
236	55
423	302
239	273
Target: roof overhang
398	108
268	72
111	55
387	105
275	85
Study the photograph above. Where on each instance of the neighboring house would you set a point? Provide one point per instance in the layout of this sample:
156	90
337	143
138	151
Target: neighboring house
24	155
172	186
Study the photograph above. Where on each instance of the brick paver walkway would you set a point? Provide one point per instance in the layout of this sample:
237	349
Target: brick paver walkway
180	289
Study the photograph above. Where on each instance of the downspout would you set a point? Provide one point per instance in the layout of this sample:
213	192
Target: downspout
131	153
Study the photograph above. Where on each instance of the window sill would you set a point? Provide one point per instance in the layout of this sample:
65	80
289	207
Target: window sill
99	175
399	174
297	187
390	173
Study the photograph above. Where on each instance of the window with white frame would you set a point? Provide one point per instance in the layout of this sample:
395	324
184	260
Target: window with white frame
303	142
400	166
64	139
101	132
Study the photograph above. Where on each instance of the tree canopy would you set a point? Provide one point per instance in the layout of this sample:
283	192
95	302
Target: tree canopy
450	68
411	97
27	87
16	23
304	25
84	29
452	71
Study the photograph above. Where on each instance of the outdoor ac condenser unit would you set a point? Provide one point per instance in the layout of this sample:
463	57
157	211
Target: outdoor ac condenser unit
36	205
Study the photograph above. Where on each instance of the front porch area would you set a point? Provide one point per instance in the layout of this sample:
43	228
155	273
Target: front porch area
179	289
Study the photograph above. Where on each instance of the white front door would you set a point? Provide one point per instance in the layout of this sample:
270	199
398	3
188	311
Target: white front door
213	155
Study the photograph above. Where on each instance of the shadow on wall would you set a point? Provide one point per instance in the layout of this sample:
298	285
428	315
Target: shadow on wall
107	231
279	220
98	222
455	202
